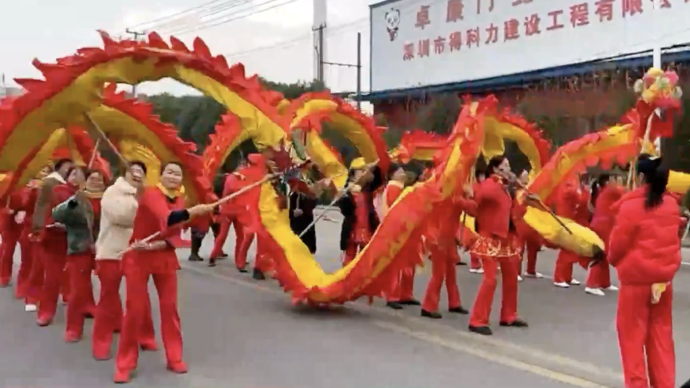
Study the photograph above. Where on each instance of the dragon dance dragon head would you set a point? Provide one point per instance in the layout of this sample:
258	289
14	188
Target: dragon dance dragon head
659	88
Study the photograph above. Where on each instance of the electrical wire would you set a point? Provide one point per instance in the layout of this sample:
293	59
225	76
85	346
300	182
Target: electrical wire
178	14
224	19
192	19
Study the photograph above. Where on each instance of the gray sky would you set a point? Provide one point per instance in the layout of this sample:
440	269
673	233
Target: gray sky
48	29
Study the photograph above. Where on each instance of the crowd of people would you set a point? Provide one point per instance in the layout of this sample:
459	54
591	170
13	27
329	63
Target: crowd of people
70	222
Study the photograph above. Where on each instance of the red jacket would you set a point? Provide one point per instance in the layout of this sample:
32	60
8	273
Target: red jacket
604	215
390	194
442	226
233	183
573	203
644	245
493	208
525	232
152	217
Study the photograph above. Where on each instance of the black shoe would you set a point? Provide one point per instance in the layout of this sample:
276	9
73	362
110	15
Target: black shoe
223	255
461	263
516	323
428	314
410	302
483	330
458	310
242	270
258	275
394	305
195	257
212	262
686	385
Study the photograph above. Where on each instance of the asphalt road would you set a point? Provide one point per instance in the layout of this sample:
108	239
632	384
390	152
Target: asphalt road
245	334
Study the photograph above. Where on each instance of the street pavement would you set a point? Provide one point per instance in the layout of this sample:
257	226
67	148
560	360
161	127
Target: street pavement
241	333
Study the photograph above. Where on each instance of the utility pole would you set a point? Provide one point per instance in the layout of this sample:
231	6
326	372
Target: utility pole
136	34
319	52
358	66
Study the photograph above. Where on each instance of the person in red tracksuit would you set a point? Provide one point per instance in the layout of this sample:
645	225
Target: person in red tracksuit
605	193
496	245
475	263
31	273
440	241
644	247
11	233
230	215
161	210
530	239
52	238
401	292
572	203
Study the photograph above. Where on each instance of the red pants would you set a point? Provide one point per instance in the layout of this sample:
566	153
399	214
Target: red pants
599	275
564	267
10	238
532	249
475	263
402	286
485	297
219	242
442	268
28	249
351	252
644	327
36	276
263	261
138	308
79	267
109	315
54	257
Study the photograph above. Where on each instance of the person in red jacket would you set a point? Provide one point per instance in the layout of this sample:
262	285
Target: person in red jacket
644	247
530	240
31	271
475	263
11	233
51	237
605	193
230	215
440	242
161	210
401	292
572	203
496	245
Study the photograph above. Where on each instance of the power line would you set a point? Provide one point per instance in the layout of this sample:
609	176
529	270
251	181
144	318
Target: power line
174	15
404	10
224	19
194	18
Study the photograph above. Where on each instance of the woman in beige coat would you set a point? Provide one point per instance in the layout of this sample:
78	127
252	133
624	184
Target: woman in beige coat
118	208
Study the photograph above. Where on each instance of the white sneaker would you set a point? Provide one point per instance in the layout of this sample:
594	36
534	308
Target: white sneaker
612	288
30	308
562	285
575	282
594	291
477	271
520	278
535	275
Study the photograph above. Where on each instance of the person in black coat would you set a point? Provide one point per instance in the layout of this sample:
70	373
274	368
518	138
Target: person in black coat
357	206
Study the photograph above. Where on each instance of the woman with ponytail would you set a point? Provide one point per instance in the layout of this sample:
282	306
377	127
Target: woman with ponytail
605	193
644	247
